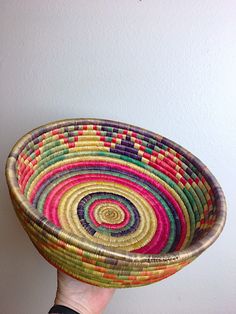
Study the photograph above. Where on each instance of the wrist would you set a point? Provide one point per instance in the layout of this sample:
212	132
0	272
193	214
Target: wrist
61	309
70	302
81	297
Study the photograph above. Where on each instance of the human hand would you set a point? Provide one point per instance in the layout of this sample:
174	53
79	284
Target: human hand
80	296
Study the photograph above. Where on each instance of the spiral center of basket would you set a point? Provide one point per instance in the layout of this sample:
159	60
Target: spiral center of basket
108	214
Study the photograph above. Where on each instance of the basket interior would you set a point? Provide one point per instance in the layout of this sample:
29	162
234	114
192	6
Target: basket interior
116	185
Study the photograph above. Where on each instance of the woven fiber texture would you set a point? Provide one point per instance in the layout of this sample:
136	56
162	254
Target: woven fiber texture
112	204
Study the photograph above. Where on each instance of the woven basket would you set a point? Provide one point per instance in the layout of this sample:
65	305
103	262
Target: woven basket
112	204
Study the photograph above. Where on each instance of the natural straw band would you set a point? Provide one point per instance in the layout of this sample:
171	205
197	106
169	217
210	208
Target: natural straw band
112	204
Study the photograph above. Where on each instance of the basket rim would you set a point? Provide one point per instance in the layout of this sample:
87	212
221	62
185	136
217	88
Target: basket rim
164	258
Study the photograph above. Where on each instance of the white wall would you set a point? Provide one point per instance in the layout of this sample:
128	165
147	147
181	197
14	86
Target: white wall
168	66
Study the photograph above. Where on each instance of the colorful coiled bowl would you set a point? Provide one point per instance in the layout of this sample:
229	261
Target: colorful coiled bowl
112	204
